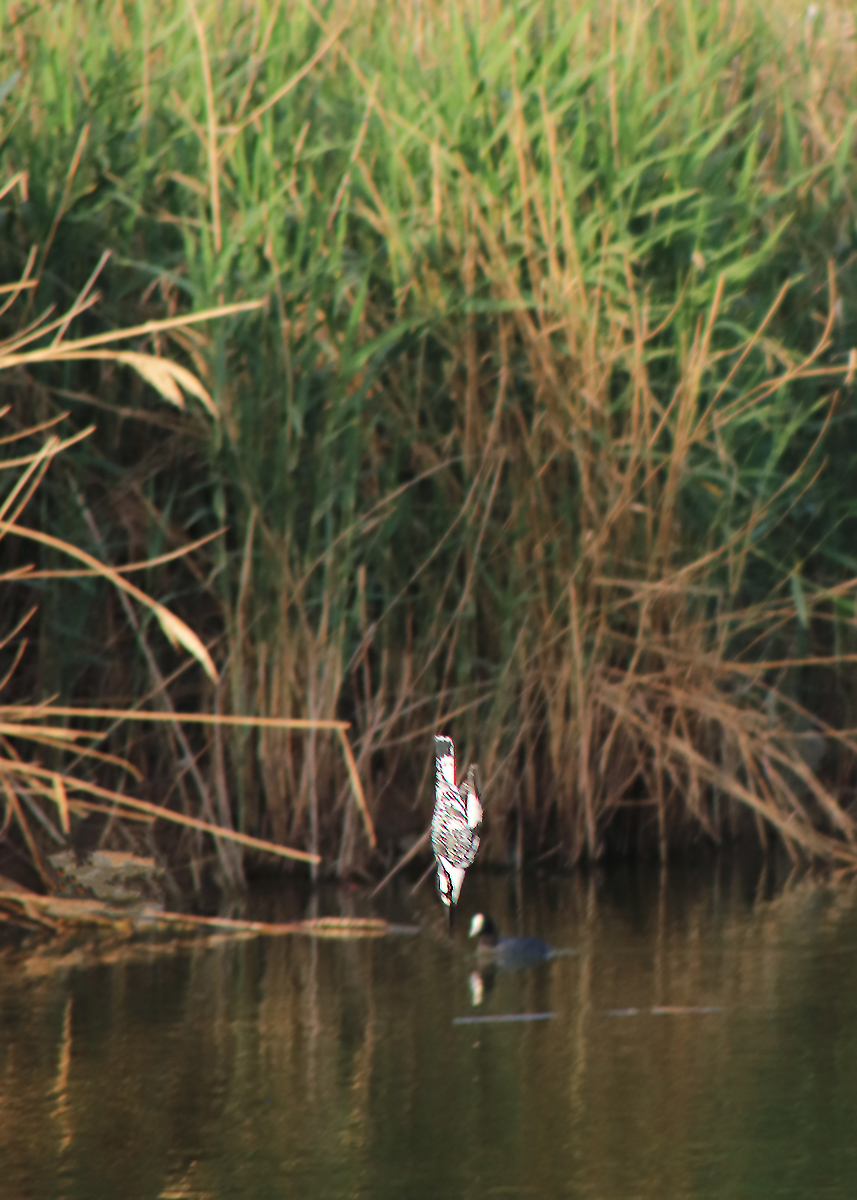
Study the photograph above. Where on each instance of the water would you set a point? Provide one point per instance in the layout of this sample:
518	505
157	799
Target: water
279	1068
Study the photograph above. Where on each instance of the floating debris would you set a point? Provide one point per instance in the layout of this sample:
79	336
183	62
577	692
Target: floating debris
504	1018
664	1010
110	875
60	914
340	928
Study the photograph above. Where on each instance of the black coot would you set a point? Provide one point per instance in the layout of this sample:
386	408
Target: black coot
508	952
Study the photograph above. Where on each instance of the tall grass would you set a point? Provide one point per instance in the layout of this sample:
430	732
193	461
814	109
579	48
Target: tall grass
27	786
544	435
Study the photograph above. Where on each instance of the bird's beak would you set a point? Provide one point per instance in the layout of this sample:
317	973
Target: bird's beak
451	918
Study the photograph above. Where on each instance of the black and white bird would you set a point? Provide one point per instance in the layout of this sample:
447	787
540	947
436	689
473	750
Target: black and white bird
455	825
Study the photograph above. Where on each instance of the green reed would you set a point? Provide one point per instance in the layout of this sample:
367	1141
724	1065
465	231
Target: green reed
526	442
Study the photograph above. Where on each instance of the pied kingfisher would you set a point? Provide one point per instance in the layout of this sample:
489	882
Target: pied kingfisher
455	825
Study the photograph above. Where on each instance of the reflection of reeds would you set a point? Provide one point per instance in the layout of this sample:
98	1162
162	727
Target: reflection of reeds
269	1080
62	1112
526	440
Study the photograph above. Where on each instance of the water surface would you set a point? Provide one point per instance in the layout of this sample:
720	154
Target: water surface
278	1068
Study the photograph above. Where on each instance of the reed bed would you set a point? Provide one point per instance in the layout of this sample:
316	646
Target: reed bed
541	434
27	784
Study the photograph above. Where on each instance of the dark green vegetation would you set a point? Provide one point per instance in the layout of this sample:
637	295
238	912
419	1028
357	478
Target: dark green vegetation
544	434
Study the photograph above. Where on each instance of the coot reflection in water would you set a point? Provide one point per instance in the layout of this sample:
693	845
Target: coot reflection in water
329	1069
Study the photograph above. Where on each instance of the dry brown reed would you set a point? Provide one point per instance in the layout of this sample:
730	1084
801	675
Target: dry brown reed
640	682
